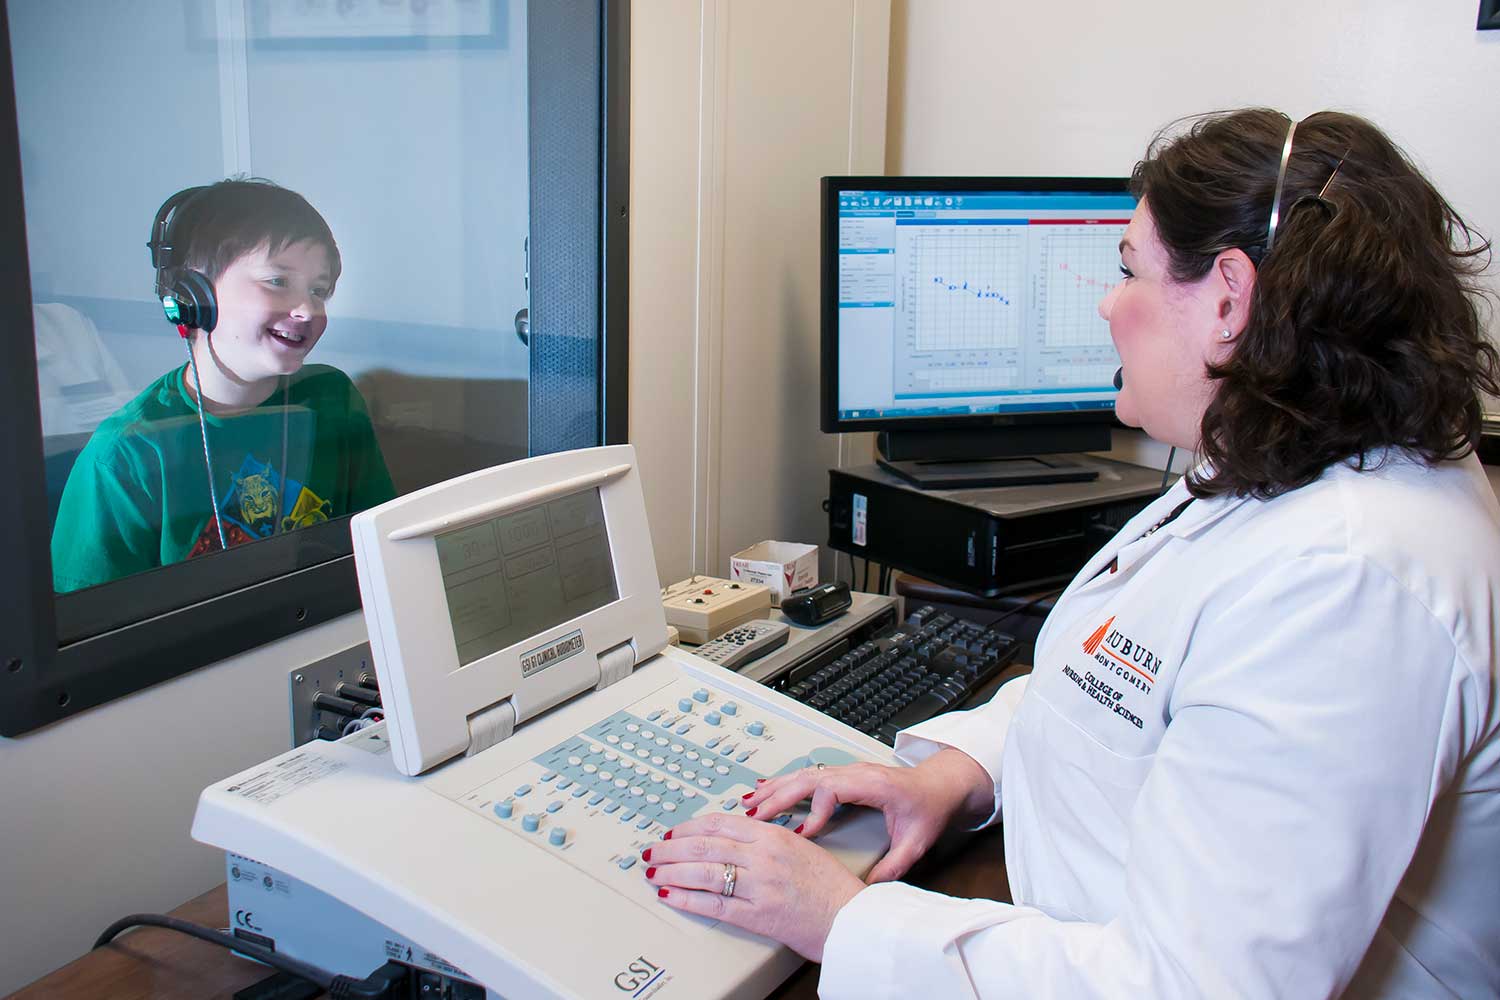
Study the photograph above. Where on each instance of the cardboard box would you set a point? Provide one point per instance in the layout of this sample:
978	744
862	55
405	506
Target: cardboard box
781	566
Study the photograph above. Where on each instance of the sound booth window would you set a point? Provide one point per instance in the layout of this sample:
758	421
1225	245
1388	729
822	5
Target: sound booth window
280	272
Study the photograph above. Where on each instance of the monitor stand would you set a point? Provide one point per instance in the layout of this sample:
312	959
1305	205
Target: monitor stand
992	456
955	474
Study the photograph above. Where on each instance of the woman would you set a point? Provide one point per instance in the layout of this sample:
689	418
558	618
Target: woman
1258	754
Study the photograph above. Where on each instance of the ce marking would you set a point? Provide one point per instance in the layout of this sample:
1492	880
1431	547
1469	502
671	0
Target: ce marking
245	919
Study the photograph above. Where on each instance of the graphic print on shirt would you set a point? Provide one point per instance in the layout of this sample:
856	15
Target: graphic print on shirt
252	507
1120	674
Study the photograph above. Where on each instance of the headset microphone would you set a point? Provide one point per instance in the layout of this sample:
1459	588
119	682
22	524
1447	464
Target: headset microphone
1119	378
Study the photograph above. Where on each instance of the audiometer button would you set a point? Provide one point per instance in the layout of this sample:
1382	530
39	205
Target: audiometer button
730	708
557	837
658	761
596	798
682	729
564	784
504	809
644	822
642	770
549	775
613	807
700	695
713	742
580	792
756	729
673	786
612	738
685	705
575	761
647	734
676	748
670	807
691	755
523	790
591	769
662	741
744	756
530	822
655	715
689	775
553	807
712	718
722	769
627	816
654	799
706	782
632	727
626	863
674	767
627	746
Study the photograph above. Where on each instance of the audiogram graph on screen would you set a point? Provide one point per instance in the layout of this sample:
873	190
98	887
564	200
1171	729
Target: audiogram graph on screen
1080	264
963	288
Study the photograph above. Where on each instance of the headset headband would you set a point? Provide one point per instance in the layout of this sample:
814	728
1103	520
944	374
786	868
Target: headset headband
162	246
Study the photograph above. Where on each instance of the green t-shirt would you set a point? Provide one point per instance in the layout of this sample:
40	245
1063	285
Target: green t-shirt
138	496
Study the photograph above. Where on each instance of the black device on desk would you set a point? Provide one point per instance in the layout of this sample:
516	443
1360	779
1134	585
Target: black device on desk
959	320
816	605
904	675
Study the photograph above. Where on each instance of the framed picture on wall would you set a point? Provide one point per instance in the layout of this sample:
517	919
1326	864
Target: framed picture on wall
332	25
1489	15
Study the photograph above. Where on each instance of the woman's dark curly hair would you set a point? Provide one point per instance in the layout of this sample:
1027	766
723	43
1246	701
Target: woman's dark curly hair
1365	328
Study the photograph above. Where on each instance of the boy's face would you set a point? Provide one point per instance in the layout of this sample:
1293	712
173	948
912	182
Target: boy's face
271	310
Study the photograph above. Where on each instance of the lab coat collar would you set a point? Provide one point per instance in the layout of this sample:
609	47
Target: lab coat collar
1199	516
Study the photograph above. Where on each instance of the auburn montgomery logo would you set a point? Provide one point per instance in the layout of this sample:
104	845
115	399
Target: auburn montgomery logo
1124	656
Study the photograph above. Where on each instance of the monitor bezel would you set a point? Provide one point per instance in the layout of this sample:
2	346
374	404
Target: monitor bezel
828	408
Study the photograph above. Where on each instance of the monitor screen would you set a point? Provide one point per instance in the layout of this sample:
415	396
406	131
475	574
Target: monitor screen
961	300
521	573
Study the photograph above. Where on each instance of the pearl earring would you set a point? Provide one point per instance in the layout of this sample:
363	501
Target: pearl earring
1224	334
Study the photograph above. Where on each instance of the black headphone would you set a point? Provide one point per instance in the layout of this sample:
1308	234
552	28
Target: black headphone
186	295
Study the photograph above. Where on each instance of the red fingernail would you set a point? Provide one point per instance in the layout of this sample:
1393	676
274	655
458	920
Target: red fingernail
662	893
747	795
667	835
799	827
650	872
646	854
760	781
750	812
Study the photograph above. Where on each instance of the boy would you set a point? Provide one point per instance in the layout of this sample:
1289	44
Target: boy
275	445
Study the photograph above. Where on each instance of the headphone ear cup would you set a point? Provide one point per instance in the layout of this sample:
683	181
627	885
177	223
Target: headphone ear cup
197	306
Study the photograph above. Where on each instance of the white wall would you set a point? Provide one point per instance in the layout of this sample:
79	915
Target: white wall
737	110
979	87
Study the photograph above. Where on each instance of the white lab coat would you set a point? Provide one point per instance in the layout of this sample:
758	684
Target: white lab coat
1258	760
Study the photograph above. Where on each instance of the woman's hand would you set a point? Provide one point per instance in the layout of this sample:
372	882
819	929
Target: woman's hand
784	887
918	802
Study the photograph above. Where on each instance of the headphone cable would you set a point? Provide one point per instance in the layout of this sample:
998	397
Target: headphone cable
208	461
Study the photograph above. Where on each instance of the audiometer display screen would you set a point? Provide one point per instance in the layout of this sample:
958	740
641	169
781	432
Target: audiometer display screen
513	576
958	303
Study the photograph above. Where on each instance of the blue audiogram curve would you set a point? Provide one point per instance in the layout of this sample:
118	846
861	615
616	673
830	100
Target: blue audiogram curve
963	288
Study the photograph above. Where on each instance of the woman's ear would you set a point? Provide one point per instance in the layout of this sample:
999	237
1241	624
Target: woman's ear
1236	279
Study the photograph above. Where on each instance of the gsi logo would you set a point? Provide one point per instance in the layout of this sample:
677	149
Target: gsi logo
636	975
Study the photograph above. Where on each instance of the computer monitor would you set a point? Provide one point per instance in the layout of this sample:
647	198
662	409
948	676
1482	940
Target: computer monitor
960	320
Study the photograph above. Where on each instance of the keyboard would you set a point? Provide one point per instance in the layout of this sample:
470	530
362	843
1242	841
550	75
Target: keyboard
923	667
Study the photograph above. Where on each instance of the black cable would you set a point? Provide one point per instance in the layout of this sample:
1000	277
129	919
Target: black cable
1166	474
373	987
1038	599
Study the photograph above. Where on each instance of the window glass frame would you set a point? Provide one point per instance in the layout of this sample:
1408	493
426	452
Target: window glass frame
62	654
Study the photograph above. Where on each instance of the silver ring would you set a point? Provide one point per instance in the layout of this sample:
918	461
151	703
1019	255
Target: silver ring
729	877
820	765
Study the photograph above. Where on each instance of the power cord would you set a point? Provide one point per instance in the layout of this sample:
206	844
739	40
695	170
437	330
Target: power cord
388	982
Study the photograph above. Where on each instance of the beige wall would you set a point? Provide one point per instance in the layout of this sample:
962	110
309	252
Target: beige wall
986	87
737	109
